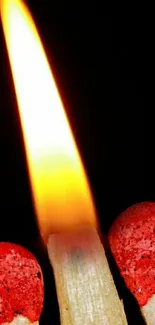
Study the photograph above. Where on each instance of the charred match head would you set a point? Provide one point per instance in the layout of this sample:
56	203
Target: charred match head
21	284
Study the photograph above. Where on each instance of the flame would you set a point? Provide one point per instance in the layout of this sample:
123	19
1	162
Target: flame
60	189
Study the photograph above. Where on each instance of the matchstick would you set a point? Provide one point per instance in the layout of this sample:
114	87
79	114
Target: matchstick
21	286
132	241
85	287
62	198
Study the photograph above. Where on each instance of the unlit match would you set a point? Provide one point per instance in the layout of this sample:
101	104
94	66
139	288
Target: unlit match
21	286
85	287
132	241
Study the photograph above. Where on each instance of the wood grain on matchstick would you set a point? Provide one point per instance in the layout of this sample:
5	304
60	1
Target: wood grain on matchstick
85	287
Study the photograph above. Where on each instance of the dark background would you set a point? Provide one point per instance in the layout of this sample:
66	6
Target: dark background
102	65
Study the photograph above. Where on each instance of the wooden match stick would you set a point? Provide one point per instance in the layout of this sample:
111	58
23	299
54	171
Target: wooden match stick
148	311
85	287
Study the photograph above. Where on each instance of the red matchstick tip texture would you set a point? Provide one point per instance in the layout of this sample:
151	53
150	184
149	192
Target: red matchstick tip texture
21	284
132	242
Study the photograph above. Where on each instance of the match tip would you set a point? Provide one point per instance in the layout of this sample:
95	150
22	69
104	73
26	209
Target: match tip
132	242
21	284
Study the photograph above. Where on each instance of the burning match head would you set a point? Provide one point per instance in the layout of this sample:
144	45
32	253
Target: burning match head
21	285
132	242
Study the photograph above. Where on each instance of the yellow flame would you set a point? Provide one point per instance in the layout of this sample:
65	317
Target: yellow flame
59	185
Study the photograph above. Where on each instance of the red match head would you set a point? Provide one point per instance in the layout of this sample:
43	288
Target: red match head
132	242
21	284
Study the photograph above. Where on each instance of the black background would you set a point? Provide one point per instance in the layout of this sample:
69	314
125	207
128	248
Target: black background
102	64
